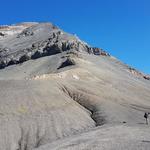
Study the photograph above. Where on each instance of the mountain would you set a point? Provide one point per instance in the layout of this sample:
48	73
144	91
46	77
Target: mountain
58	92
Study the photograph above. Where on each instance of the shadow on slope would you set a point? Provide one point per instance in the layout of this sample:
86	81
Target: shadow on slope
67	62
83	99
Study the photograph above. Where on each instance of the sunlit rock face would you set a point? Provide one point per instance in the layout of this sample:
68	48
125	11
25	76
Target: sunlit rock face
58	92
27	41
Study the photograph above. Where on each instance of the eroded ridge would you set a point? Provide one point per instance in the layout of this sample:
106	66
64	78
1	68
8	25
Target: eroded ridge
86	101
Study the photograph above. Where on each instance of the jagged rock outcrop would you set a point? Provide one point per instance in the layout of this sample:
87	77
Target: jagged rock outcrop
138	73
147	77
46	39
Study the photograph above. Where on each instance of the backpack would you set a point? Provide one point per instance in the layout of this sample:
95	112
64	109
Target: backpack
145	115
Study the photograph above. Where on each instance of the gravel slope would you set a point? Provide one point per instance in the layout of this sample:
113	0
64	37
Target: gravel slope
72	99
118	137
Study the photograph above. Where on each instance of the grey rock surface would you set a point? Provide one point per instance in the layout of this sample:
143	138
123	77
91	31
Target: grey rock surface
57	92
32	41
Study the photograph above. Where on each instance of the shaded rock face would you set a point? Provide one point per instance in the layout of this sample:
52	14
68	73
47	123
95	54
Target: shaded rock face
39	40
67	62
146	77
2	34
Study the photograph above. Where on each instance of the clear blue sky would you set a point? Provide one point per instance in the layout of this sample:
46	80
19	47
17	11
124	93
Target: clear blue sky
122	27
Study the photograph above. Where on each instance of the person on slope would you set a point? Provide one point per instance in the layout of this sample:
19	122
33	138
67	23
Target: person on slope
146	117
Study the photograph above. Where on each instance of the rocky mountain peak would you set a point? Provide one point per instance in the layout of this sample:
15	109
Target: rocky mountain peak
24	41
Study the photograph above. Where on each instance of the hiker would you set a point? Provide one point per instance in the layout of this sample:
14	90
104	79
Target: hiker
146	117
